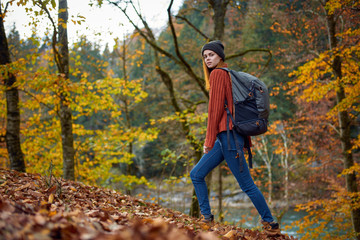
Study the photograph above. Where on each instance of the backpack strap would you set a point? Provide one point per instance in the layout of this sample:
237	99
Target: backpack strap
239	151
247	146
242	84
238	148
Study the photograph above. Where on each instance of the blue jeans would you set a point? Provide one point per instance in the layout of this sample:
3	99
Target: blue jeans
211	160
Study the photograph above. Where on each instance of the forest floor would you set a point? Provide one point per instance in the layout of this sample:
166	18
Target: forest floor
38	207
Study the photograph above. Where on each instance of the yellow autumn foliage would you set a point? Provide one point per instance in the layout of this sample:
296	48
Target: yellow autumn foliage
316	80
97	151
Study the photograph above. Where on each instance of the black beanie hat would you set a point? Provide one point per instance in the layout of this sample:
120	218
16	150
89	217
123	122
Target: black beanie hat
215	46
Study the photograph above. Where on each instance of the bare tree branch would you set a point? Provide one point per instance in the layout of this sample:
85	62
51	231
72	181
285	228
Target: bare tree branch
39	101
191	105
254	50
184	62
195	28
149	41
6	6
212	2
41	4
146	25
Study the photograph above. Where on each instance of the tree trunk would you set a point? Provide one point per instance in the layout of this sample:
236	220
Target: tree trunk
12	136
65	111
219	7
127	112
195	208
285	165
270	183
286	183
344	123
351	185
267	160
220	208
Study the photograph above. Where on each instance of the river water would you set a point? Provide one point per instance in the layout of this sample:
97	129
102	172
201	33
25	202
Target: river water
237	211
249	218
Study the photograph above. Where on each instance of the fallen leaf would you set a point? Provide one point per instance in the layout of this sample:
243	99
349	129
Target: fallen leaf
52	189
39	219
22	187
231	234
51	198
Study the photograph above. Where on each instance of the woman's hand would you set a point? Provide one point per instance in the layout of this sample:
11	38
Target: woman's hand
206	149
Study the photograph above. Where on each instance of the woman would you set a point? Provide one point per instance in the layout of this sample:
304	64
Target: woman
216	144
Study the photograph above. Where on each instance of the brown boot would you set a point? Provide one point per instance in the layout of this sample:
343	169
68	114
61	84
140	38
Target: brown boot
271	228
207	220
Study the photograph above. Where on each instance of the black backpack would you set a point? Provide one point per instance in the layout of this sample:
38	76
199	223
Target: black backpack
251	108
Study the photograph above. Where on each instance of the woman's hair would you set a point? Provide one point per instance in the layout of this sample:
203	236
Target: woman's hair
207	72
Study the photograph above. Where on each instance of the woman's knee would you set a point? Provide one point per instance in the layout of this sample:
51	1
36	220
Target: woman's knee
194	175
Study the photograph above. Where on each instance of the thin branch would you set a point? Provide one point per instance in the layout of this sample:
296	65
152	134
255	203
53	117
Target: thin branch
211	2
254	50
54	39
151	42
164	76
191	102
314	52
146	25
334	128
308	11
34	97
6	6
194	27
184	63
191	105
43	7
174	34
248	51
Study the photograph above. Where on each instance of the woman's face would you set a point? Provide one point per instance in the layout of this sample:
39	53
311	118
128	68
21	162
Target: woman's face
211	58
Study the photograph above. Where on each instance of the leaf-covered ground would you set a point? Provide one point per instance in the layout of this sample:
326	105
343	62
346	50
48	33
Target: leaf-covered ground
32	207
